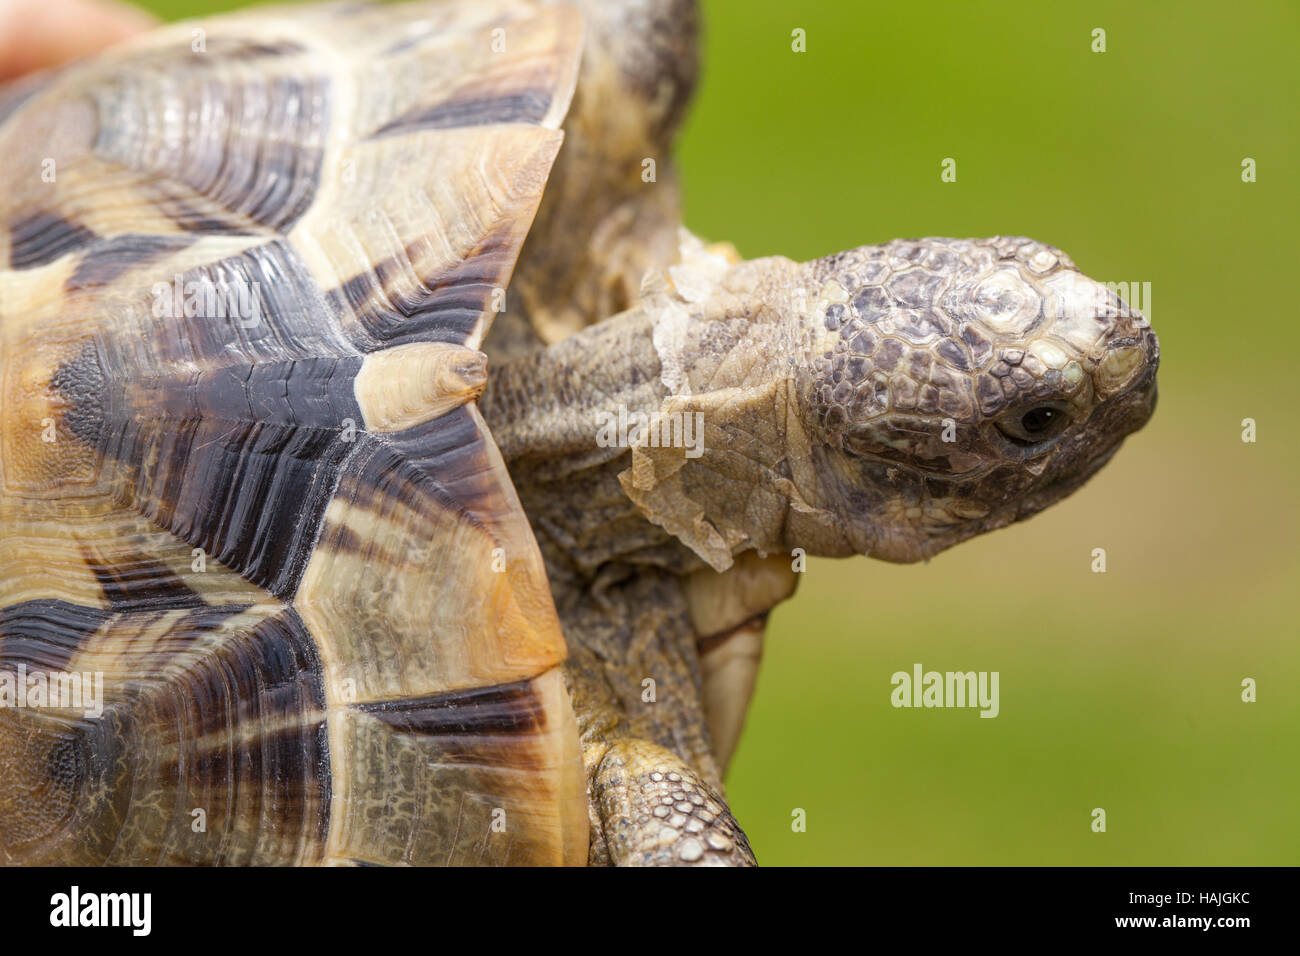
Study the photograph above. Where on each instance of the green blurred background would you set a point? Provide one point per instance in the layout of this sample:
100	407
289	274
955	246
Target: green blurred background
1119	690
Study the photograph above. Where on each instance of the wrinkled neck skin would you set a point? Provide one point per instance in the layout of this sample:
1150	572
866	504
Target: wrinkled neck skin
719	358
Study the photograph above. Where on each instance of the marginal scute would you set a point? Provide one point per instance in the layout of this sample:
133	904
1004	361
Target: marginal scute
212	709
486	775
428	519
428	256
113	133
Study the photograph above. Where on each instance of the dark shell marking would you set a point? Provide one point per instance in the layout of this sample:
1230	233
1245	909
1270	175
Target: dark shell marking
529	107
42	237
236	730
106	260
405	300
258	159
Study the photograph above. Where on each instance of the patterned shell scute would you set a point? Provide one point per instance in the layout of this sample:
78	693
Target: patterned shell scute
245	267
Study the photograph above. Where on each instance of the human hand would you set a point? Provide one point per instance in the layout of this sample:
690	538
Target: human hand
35	34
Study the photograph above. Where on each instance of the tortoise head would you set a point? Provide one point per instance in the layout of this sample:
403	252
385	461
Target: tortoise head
957	386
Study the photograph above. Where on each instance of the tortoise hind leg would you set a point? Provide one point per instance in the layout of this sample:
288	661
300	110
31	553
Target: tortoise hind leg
654	810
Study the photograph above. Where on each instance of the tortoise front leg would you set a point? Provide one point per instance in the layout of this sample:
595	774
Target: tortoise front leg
654	789
654	810
652	807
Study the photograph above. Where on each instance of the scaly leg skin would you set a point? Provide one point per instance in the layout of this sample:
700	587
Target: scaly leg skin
633	673
656	811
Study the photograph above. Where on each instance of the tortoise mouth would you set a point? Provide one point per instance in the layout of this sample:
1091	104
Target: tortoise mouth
1064	485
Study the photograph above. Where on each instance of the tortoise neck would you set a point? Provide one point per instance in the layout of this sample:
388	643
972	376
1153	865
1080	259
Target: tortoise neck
724	328
594	428
545	412
549	406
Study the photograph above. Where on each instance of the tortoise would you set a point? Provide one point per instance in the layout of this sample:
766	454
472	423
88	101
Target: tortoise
304	559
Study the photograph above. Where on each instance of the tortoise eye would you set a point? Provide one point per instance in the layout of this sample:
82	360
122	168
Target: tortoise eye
1038	420
1034	425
